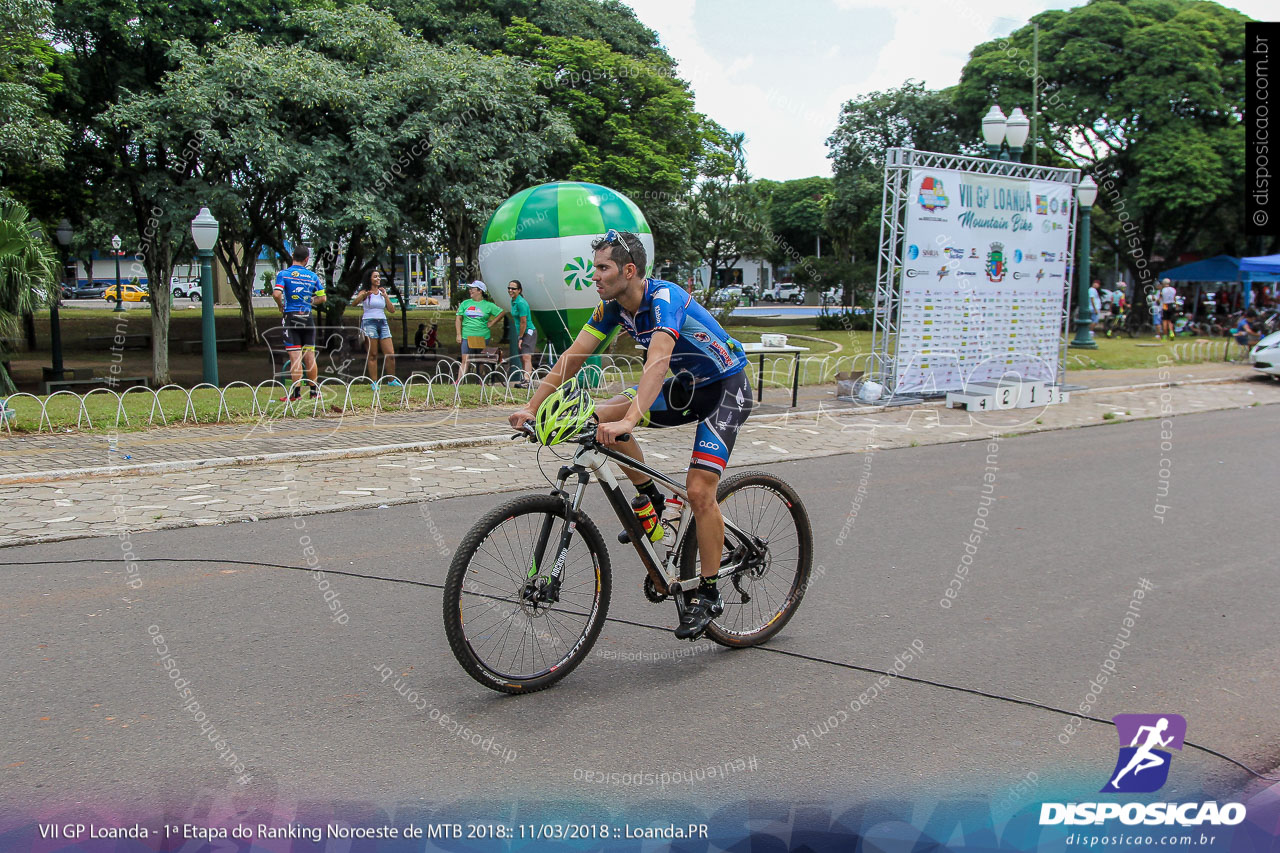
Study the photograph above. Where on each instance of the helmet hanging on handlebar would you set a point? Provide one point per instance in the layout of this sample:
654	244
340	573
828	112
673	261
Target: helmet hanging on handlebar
563	414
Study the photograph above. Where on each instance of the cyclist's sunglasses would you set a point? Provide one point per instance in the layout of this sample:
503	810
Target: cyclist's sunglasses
613	236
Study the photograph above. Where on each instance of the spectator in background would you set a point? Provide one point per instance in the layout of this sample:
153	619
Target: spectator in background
1244	331
297	291
527	335
475	318
418	336
1168	308
376	302
1095	300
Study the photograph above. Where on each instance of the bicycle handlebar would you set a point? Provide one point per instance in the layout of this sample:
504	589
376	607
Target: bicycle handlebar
587	435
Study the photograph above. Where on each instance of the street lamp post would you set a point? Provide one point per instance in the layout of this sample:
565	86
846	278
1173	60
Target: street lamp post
204	232
1016	130
997	129
994	125
64	235
1086	193
115	250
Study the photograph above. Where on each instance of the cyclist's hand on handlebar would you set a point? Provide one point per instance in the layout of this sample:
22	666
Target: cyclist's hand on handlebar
519	419
612	433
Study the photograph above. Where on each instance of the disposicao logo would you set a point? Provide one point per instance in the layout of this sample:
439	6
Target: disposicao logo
1143	765
1141	768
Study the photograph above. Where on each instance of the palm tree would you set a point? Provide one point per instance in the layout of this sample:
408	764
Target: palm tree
28	273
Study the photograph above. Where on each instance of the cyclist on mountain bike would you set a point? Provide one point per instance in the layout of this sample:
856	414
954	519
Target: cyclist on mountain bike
709	386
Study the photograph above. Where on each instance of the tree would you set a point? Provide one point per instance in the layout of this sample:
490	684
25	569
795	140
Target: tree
481	23
907	117
29	135
113	53
438	138
240	120
797	215
28	272
1148	97
728	217
635	124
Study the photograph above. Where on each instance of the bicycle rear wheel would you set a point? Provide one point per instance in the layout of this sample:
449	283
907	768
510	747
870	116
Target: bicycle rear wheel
501	626
758	602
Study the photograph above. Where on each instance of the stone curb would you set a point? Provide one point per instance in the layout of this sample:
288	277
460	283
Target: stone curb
31	477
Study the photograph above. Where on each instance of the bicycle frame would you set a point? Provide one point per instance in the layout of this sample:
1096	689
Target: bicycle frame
590	459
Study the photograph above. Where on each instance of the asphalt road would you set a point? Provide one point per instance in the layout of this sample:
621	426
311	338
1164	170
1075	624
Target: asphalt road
91	717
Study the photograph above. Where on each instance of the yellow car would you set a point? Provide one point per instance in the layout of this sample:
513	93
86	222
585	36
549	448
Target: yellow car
131	293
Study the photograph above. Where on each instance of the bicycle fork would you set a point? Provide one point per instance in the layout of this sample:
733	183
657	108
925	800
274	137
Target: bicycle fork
546	589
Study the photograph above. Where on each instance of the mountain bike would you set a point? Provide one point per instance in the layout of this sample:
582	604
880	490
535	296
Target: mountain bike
1117	323
528	589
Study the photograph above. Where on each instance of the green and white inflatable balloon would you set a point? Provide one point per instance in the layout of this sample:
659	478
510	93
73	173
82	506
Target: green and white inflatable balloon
542	237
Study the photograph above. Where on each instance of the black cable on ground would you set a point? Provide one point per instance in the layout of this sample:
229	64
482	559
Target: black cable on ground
798	655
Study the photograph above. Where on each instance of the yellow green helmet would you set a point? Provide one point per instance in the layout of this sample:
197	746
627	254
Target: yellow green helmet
563	414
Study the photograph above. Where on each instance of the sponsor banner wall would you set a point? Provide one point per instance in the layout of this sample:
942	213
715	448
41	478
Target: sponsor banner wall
983	280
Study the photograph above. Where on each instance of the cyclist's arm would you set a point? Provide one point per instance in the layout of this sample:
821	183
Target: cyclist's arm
565	368
656	363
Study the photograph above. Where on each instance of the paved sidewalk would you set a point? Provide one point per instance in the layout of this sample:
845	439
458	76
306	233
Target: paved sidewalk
102	506
45	457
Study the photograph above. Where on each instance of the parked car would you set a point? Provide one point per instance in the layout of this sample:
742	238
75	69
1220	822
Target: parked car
1265	355
724	294
129	293
785	292
88	290
185	288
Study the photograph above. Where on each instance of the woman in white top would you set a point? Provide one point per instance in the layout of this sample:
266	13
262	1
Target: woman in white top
376	302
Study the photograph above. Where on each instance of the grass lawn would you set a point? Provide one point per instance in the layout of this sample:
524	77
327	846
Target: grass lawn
139	410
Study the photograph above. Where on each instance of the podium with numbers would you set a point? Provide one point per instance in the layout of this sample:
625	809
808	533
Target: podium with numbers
1006	394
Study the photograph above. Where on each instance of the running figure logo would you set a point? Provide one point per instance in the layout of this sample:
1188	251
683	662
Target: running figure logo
1143	765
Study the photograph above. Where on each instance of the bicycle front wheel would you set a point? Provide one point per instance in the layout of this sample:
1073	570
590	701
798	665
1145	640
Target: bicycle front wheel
503	626
759	600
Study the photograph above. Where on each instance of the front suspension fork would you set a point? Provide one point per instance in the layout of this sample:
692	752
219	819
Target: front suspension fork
540	587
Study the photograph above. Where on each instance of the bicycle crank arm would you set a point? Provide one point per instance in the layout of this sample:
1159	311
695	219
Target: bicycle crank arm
675	585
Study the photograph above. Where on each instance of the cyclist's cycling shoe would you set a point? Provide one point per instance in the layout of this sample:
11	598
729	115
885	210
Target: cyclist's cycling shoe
703	606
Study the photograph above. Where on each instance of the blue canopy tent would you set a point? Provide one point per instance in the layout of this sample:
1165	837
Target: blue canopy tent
1259	268
1219	268
1225	268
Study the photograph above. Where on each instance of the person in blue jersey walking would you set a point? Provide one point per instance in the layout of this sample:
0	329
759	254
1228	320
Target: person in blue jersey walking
709	386
297	291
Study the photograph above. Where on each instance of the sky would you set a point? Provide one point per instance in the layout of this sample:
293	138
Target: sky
779	70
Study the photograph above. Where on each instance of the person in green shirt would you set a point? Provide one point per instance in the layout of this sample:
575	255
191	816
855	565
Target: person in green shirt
476	316
528	335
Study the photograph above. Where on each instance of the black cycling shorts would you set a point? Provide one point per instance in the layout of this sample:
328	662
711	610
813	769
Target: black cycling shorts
720	408
299	331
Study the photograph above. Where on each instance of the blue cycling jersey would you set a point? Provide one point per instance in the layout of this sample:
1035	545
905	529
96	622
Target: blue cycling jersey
299	285
703	348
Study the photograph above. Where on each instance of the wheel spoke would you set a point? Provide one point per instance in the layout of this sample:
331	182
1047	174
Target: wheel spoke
761	511
517	639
